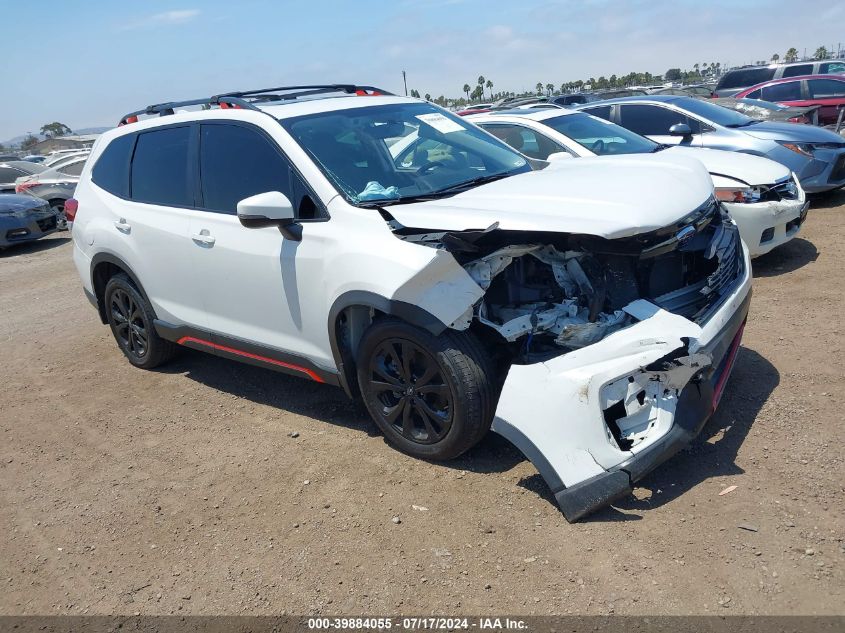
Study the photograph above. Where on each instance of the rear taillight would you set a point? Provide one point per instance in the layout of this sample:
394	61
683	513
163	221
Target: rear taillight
25	186
71	207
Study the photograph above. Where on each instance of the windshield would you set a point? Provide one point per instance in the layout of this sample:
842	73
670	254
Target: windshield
599	136
391	153
716	114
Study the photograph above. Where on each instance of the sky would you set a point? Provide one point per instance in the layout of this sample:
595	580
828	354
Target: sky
86	63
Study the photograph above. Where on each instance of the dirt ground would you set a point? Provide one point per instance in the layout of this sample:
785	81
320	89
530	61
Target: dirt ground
184	490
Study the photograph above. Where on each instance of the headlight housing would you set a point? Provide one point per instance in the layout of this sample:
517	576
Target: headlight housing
805	149
738	194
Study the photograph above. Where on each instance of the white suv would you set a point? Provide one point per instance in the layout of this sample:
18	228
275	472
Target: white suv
589	311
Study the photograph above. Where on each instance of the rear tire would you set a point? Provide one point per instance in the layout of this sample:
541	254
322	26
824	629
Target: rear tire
433	397
131	320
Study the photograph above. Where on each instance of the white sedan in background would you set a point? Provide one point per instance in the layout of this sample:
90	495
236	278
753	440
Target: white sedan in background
762	196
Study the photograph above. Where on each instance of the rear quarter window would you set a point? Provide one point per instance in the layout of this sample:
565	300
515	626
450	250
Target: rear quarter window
111	172
796	71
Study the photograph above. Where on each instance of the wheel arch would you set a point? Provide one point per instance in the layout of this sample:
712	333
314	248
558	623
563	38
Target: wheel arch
104	266
352	313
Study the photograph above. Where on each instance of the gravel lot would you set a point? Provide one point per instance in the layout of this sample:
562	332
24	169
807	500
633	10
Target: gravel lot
213	487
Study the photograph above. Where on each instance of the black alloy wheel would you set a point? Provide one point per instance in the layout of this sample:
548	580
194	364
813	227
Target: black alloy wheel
129	327
408	383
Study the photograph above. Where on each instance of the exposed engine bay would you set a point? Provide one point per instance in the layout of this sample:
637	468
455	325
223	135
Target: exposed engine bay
547	294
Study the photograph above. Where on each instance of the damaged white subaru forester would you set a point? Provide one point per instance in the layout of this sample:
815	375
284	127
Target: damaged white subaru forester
588	311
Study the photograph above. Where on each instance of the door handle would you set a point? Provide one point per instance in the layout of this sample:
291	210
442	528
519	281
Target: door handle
122	226
203	237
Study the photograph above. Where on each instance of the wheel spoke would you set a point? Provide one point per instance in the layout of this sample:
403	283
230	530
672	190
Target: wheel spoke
391	413
407	353
382	373
381	387
431	370
428	418
407	422
437	390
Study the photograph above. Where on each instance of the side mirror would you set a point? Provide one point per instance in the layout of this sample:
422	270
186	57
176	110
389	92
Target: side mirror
558	156
680	129
271	208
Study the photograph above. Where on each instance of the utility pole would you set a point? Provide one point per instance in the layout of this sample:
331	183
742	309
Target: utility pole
405	81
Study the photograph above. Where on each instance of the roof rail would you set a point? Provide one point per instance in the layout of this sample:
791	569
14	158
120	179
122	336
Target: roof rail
247	99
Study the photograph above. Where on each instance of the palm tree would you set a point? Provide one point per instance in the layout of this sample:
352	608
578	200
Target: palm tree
489	85
427	97
791	55
539	87
481	83
775	58
821	53
549	89
467	89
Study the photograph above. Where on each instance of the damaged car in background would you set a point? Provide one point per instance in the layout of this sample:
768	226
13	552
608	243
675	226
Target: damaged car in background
588	311
763	196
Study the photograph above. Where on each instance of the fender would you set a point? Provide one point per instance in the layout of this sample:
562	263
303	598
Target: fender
408	312
110	258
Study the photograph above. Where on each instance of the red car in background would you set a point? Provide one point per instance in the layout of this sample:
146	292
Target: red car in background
826	91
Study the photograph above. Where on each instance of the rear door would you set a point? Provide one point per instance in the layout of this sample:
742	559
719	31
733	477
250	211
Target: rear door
829	94
148	217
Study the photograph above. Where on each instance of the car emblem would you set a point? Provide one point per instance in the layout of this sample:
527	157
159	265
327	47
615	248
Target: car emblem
685	234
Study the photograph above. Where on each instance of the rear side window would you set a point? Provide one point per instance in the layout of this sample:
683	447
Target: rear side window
525	140
789	91
745	77
112	169
160	167
826	88
72	170
795	71
8	174
828	68
650	120
237	162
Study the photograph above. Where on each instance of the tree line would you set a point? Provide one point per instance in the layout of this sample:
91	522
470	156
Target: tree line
701	72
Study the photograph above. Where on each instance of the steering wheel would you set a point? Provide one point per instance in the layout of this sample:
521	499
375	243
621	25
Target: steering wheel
429	166
598	147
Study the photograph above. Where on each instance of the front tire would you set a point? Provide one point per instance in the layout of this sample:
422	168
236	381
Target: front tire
131	320
433	397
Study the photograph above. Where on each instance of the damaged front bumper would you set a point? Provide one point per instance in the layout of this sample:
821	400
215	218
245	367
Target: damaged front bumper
598	419
764	226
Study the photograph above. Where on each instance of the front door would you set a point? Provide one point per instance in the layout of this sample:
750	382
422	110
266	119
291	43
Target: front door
258	287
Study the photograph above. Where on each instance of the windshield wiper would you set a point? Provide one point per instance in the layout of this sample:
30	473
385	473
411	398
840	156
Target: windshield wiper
436	195
474	182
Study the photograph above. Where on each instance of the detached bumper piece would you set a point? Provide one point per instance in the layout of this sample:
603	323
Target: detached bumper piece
696	403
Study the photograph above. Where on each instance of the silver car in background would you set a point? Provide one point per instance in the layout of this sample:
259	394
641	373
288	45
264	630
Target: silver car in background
816	155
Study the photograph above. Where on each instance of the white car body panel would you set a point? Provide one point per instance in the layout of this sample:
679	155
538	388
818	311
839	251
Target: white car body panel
727	169
207	271
563	198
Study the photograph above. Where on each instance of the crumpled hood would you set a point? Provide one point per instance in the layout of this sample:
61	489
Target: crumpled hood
774	130
13	203
755	170
609	197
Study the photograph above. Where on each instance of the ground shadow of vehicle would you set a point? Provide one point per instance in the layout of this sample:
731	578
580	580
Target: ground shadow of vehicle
273	389
793	255
713	454
28	248
321	402
827	200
